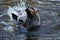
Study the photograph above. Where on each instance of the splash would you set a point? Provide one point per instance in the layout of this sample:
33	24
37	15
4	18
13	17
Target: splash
18	10
16	13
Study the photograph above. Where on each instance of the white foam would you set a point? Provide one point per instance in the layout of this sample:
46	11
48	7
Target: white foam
18	10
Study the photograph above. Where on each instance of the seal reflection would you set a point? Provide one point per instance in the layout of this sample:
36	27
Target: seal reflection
32	36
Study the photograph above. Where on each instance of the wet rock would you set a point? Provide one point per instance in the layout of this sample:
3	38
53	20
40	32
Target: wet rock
9	28
4	17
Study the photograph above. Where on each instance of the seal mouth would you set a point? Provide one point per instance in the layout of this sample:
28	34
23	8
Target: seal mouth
14	16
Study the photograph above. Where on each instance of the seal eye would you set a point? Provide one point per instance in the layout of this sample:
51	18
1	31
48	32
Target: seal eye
14	16
32	8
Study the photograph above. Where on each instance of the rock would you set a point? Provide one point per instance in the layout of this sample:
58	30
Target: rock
9	28
4	17
22	29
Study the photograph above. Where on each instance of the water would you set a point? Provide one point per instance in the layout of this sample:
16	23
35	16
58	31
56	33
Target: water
49	29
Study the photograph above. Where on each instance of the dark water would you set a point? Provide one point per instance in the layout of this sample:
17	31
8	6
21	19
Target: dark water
49	28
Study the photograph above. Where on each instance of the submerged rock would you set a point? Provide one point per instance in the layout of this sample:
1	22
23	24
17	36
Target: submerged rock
9	28
17	12
4	17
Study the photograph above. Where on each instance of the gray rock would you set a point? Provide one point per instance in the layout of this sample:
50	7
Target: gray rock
4	17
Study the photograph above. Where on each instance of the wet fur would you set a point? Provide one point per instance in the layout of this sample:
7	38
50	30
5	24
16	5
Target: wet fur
31	23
